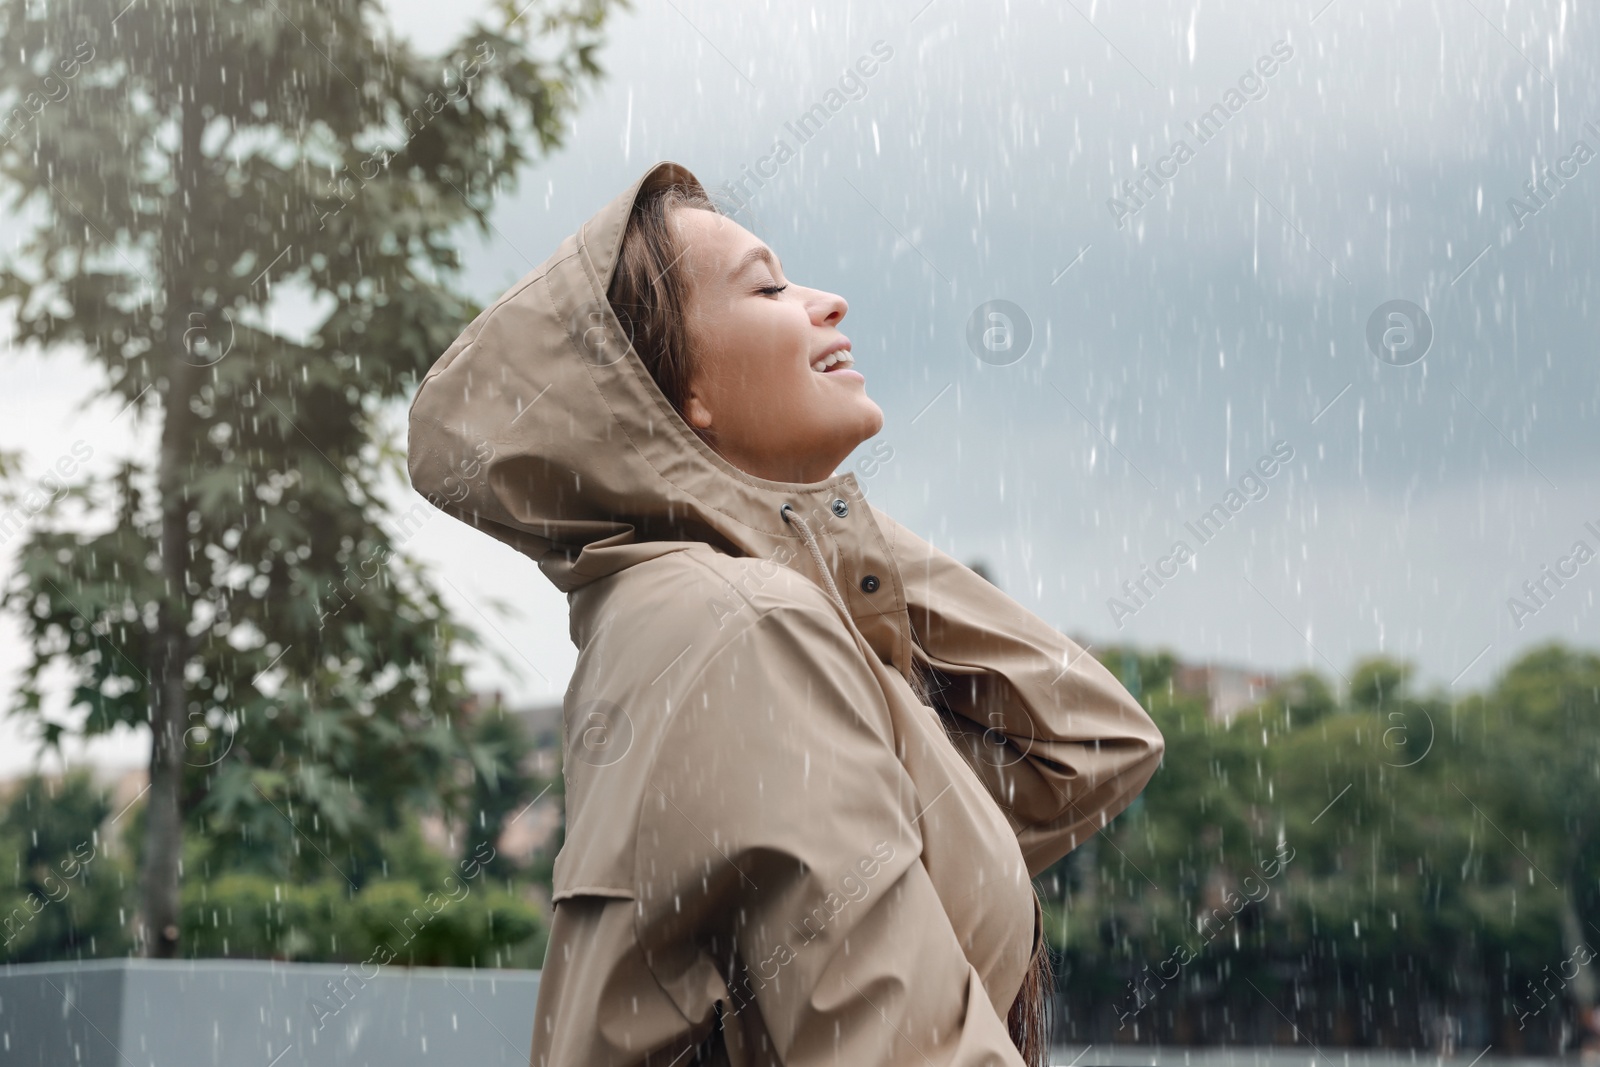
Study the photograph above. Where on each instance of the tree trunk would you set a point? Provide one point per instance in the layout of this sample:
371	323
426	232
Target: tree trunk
160	873
163	833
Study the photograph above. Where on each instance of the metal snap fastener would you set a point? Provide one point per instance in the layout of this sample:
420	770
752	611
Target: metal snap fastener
840	508
869	584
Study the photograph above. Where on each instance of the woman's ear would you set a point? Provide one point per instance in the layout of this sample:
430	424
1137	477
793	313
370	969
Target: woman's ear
696	413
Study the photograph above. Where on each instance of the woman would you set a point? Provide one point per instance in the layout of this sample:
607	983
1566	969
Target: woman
777	849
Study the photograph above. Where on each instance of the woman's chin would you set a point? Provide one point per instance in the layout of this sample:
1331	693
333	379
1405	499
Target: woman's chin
854	415
866	425
871	416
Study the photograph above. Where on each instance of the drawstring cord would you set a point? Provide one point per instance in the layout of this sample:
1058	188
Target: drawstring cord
792	516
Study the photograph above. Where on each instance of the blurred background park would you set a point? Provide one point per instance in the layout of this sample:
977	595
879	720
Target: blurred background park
236	236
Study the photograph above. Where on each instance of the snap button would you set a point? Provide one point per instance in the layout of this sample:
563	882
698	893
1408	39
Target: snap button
840	508
869	584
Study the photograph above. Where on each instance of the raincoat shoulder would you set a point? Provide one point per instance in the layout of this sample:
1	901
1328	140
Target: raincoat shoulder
650	703
652	639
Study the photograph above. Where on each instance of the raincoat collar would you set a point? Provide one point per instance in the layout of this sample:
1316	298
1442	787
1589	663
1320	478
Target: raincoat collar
541	426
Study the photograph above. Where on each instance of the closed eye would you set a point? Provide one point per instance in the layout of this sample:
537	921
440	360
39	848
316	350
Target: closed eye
773	290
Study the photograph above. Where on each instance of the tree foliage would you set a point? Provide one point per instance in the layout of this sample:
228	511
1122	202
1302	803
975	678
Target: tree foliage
1443	862
63	889
184	166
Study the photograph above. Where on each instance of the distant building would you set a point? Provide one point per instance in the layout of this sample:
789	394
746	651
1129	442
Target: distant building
1227	690
543	725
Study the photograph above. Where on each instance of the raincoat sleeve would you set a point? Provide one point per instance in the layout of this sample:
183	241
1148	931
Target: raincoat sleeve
779	864
1057	740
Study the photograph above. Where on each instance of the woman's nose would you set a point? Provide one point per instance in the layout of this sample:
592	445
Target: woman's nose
829	308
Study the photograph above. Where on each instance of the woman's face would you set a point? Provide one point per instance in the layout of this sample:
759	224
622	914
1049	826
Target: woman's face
755	337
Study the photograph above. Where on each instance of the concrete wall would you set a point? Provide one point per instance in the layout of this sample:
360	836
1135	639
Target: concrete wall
242	1013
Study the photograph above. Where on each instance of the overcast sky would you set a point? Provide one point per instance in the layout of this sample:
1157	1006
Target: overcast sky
1178	338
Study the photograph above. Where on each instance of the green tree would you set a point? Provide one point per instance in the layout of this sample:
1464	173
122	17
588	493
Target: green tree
424	908
61	887
542	868
1378	679
498	749
1528	786
1444	861
1305	697
178	165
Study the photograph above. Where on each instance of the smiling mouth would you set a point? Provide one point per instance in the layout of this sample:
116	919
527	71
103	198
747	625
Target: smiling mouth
840	360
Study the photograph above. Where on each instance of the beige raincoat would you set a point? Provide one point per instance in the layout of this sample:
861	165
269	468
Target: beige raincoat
774	852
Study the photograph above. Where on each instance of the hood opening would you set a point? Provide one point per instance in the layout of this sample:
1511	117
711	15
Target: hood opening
542	427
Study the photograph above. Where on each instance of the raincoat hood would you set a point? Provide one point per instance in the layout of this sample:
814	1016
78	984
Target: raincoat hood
541	427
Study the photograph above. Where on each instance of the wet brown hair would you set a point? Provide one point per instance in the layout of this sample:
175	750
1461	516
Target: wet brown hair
1029	1020
649	293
